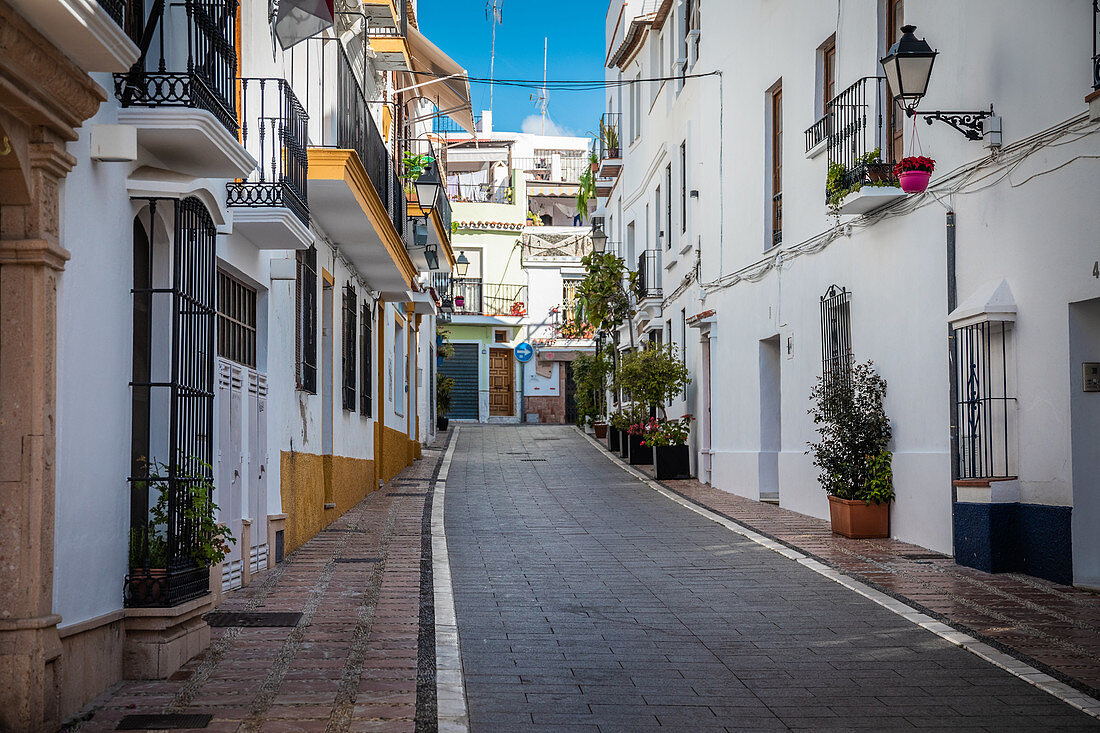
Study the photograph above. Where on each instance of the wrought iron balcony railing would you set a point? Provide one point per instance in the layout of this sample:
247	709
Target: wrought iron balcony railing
274	131
648	284
610	135
853	128
198	73
470	296
442	124
1096	45
423	146
116	9
482	193
553	168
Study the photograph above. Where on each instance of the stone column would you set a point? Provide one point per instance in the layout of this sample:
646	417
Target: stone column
31	259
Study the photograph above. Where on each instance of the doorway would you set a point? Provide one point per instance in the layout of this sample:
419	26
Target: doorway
501	383
771	419
1084	358
570	395
326	363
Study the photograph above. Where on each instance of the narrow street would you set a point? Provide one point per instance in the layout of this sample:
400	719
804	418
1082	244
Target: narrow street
587	601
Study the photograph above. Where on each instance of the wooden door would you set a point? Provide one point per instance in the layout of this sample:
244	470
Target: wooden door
895	116
500	383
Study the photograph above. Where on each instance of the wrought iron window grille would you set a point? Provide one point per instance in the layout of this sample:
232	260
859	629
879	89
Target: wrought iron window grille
836	336
305	331
649	275
236	320
366	379
274	129
173	417
349	350
200	77
985	410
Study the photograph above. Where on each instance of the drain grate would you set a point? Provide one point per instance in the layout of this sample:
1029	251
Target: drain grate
407	493
532	460
222	619
342	529
166	721
356	559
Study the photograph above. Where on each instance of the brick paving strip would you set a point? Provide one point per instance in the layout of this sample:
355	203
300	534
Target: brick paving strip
362	657
1053	628
592	600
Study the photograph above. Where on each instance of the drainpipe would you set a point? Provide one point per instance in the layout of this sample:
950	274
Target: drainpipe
952	303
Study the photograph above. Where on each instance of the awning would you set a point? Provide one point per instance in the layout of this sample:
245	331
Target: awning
430	69
567	190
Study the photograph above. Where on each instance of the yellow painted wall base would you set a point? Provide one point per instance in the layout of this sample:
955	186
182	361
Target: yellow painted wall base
309	481
395	453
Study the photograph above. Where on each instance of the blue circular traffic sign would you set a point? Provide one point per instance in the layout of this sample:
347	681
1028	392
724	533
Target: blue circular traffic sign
524	352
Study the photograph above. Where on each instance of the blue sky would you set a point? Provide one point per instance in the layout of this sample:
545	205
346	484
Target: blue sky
575	32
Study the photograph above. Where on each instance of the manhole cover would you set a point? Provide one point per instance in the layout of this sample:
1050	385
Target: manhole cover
252	619
356	559
164	721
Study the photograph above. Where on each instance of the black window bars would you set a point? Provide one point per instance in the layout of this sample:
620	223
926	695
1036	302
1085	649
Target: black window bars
366	380
305	323
349	350
836	336
172	389
984	412
649	275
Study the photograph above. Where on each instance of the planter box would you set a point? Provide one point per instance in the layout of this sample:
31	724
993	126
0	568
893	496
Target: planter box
600	429
870	198
858	520
441	423
613	439
640	455
672	461
624	445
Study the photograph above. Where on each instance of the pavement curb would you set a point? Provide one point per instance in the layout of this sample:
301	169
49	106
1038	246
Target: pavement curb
451	707
1007	662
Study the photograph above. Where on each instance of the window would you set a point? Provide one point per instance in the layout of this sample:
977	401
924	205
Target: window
671	342
836	336
349	347
777	164
683	188
636	113
630	254
569	298
692	28
668	206
305	323
895	121
236	320
684	344
398	367
500	337
984	408
366	346
658	234
828	74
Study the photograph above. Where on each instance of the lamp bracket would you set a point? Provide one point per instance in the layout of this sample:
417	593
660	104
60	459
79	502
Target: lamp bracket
968	123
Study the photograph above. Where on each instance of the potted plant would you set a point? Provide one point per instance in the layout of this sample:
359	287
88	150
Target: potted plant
609	134
668	439
913	173
651	376
852	450
412	166
460	301
208	543
589	376
637	453
618	422
443	387
533	219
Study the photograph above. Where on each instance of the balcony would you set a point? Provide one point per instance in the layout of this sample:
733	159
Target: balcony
354	192
436	229
444	125
469	296
90	33
611	162
388	35
555	244
180	95
854	136
554	168
271	204
648	284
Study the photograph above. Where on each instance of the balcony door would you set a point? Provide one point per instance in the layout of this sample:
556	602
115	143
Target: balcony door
895	118
501	383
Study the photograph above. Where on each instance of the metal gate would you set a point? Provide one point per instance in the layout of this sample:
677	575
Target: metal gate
463	368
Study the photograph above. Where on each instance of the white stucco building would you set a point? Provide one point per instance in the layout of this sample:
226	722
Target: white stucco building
718	191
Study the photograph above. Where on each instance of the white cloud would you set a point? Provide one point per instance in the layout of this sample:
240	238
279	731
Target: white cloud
532	125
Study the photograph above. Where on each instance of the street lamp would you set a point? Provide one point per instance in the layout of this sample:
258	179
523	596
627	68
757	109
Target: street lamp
908	67
431	255
462	264
428	186
599	240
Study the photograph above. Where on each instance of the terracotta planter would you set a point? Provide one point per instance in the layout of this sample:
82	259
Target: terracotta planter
914	181
600	428
146	586
640	455
613	439
672	461
859	520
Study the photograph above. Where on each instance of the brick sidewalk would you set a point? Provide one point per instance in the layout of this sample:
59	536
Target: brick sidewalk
351	663
1055	628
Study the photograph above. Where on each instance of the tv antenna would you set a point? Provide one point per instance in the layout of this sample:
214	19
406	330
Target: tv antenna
542	99
496	9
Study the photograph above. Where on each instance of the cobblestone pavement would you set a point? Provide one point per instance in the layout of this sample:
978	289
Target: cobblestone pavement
587	601
350	664
1055	628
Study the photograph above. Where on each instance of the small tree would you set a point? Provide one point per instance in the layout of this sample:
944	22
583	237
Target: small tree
590	376
653	375
443	387
603	302
855	431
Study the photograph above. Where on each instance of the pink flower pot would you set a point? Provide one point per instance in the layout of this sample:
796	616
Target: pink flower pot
914	181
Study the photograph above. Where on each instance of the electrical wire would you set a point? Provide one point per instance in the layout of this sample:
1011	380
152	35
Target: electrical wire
569	84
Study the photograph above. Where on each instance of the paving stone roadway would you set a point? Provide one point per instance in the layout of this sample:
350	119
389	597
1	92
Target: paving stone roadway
586	601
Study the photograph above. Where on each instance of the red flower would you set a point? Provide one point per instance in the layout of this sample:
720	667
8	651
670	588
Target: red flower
914	163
